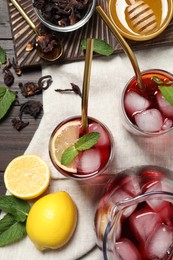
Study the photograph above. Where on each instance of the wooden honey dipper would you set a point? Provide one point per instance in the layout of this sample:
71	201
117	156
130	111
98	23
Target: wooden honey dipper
141	16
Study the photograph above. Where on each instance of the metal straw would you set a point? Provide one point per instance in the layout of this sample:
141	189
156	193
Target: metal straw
86	82
123	43
27	19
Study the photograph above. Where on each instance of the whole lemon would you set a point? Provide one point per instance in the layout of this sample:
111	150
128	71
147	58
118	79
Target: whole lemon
52	220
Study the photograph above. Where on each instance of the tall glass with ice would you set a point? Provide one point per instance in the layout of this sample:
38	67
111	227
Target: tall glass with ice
134	220
87	163
146	111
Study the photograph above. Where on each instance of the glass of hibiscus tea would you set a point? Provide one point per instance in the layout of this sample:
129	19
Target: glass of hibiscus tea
149	111
134	219
81	155
81	147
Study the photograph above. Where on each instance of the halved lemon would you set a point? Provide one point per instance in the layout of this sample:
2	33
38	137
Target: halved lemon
64	137
27	176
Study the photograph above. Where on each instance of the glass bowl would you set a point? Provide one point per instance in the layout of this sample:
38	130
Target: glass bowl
69	28
118	15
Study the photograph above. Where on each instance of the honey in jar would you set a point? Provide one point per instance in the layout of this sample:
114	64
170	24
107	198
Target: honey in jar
162	11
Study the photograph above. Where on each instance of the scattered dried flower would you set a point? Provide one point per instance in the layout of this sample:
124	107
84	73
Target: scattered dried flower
30	88
31	107
74	89
45	82
18	124
16	67
8	77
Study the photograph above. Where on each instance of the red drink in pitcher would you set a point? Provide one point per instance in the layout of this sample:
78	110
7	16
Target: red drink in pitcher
146	111
134	220
88	163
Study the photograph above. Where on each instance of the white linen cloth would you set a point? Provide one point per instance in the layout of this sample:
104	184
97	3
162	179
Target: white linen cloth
108	78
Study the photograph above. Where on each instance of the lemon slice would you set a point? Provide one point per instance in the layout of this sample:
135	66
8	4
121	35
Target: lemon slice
64	137
27	176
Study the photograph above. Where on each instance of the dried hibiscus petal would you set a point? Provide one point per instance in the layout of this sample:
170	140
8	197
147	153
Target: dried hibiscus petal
74	89
29	89
45	82
8	77
16	67
18	124
31	107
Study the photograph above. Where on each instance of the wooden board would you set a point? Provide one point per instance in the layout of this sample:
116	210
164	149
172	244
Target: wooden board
95	28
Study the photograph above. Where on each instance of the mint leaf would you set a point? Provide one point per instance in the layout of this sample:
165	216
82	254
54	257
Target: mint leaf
16	207
157	80
87	141
6	222
100	47
7	97
84	143
2	56
68	155
14	233
167	93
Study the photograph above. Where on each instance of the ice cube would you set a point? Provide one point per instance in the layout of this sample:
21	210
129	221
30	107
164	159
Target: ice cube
127	250
153	185
165	107
89	161
103	139
133	103
167	124
149	120
155	203
121	195
159	242
131	185
166	213
143	222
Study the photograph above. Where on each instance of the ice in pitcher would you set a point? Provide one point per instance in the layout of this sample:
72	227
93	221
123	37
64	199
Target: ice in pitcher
147	108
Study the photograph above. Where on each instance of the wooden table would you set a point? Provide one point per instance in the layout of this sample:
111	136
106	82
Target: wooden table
12	142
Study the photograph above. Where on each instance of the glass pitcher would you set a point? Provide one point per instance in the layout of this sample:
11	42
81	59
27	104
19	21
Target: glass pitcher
134	219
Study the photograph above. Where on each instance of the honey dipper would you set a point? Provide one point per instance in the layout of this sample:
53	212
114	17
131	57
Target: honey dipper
141	16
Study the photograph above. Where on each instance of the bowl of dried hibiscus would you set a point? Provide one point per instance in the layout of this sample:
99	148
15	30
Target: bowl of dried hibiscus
64	15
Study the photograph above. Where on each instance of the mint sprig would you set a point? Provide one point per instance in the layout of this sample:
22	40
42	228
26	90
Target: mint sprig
157	80
167	93
7	97
13	224
84	143
100	47
166	89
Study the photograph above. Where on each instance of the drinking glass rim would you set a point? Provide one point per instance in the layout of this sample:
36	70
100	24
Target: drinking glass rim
111	148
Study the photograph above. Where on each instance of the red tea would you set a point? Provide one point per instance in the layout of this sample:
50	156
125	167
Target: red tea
147	109
88	163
